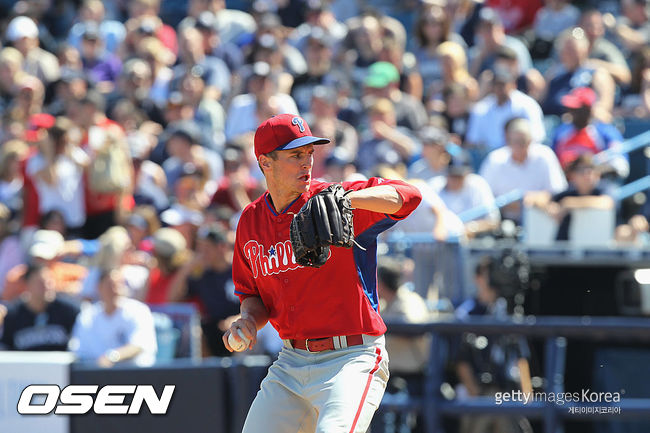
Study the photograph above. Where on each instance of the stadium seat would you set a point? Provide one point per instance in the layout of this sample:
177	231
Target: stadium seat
592	227
166	337
539	229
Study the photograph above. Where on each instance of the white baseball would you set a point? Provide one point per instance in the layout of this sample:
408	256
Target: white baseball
238	346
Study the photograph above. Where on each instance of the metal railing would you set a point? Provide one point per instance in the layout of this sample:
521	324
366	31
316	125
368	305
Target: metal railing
555	331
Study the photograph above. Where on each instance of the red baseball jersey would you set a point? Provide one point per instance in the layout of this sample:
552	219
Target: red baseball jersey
339	298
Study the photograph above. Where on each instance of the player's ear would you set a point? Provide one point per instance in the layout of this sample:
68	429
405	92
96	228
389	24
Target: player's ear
264	162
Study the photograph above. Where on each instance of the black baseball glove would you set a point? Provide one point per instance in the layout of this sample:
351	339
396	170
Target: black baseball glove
325	220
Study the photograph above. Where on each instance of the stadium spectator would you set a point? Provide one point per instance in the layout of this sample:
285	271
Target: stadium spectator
159	59
339	167
261	101
324	123
116	329
636	99
57	171
574	70
213	45
12	155
141	225
320	71
480	372
584	134
101	66
150	181
363	45
583	192
456	114
208	113
523	164
46	247
454	71
492	36
398	303
30	96
144	16
232	25
23	35
432	28
171	253
11	61
112	31
269	49
108	178
550	21
531	82
485	130
318	15
410	80
385	142
116	251
183	219
434	157
271	45
72	85
193	59
11	253
602	53
237	188
41	319
633	28
462	190
183	147
382	81
464	16
208	281
517	15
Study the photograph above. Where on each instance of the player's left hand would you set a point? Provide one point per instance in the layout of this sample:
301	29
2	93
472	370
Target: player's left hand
324	221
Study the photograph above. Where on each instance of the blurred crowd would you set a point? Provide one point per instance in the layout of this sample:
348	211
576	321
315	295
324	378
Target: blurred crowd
126	140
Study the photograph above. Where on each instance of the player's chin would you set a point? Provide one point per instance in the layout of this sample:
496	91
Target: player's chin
303	183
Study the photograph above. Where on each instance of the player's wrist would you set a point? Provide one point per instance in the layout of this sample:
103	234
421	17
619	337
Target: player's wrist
250	317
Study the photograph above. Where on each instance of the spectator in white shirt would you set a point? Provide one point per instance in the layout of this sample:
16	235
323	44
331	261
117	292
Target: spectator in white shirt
485	131
115	329
523	164
461	190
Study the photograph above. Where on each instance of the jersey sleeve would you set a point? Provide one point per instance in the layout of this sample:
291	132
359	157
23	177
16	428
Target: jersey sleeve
242	275
363	219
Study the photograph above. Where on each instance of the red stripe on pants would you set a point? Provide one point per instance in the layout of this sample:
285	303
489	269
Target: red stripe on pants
365	391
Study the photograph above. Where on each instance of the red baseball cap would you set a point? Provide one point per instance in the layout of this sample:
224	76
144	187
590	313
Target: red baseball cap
36	122
579	97
282	132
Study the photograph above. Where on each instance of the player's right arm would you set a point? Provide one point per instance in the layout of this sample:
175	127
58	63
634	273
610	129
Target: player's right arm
253	317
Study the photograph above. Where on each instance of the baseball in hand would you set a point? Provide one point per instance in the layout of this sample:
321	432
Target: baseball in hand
238	346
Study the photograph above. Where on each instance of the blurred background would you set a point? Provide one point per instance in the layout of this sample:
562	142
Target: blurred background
126	158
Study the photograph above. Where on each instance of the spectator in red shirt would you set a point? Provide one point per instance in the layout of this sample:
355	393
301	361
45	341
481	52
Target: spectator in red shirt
517	15
237	188
171	253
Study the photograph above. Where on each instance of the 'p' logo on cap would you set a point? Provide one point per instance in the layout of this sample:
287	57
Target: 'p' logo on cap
298	121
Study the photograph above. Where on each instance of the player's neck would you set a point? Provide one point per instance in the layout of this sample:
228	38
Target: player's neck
280	202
